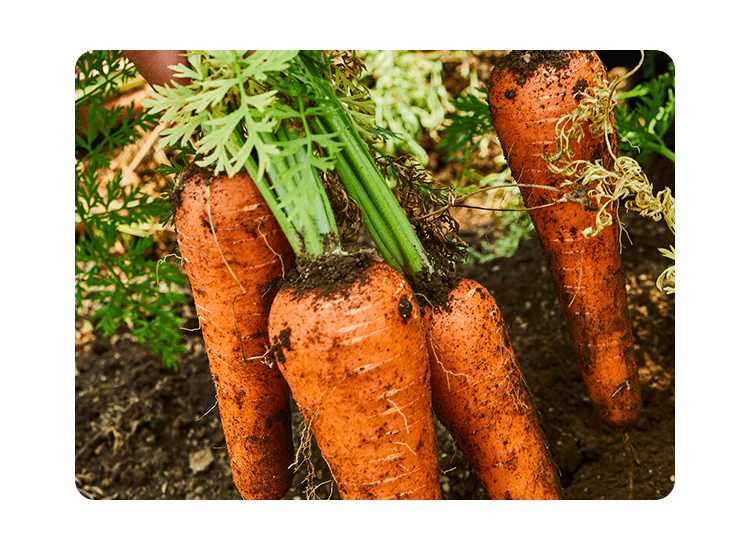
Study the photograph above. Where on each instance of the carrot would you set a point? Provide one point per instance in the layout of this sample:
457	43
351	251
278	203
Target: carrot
528	94
481	396
355	359
233	250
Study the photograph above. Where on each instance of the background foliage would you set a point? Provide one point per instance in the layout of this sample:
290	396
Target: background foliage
118	280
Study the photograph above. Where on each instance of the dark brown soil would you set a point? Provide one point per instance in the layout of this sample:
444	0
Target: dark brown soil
145	432
330	273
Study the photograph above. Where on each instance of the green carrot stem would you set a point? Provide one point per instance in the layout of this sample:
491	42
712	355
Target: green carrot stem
298	201
384	218
292	235
324	211
385	242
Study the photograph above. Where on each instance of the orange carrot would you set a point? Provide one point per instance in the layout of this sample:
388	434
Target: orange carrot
355	358
481	396
233	251
529	92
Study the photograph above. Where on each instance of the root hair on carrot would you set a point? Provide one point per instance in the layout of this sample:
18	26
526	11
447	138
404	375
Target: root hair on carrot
201	417
303	456
440	363
580	274
625	384
216	239
513	388
405	445
185	243
632	461
514	391
303	459
236	328
280	258
604	188
387	396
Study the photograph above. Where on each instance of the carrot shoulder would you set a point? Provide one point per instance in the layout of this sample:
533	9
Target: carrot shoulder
356	362
481	397
529	92
233	250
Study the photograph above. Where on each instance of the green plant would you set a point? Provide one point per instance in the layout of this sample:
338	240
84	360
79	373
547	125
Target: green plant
467	133
285	116
515	227
409	96
116	274
469	125
643	122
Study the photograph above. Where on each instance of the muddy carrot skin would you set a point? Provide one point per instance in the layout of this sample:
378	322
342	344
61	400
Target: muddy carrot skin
356	362
233	251
481	396
528	93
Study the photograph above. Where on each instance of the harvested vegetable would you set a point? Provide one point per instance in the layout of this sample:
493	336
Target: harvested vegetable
481	396
233	251
530	93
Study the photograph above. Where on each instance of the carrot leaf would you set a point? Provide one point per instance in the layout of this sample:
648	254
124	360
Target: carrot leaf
248	113
643	126
117	282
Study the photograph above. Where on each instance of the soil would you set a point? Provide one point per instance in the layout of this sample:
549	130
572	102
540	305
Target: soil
143	431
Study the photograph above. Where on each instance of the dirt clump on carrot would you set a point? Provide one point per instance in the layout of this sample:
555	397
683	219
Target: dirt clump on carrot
329	273
524	64
481	396
233	249
587	271
358	369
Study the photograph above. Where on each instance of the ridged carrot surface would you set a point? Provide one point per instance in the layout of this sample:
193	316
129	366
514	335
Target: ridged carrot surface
529	92
481	396
357	365
233	250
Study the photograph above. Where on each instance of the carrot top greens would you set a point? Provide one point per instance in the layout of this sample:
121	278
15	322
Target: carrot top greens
286	117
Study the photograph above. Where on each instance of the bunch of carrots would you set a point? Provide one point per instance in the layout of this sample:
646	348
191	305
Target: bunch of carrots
369	344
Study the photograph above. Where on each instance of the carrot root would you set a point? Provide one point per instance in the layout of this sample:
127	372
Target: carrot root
528	94
233	250
357	365
481	396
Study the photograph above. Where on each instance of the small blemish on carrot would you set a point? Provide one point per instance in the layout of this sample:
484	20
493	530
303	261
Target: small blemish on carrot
405	308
